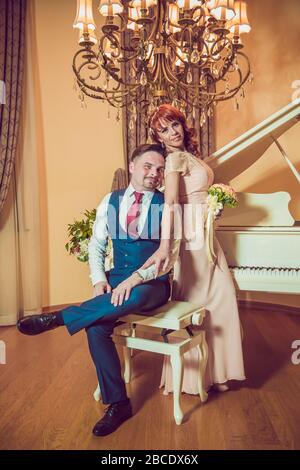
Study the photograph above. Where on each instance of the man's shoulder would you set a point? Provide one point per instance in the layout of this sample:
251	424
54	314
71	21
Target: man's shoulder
159	195
115	197
117	193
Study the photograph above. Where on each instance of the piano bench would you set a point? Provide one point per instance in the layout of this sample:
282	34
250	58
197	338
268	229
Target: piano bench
172	317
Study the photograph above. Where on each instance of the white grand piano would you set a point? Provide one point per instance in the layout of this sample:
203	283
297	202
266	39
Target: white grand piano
260	238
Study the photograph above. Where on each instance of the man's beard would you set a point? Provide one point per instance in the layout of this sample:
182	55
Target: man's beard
149	182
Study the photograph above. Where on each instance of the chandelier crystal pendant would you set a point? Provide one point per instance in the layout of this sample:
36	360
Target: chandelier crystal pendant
185	52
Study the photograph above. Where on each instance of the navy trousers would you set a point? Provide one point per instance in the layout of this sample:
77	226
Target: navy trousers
99	317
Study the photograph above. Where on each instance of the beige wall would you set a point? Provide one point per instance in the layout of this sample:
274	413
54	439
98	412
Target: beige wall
79	151
273	50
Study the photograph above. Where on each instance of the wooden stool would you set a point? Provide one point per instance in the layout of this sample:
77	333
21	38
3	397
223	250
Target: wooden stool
171	317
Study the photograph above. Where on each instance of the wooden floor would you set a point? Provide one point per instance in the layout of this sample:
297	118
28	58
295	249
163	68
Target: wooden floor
46	397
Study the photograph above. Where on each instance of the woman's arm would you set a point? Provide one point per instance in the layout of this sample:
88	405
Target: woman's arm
168	216
161	258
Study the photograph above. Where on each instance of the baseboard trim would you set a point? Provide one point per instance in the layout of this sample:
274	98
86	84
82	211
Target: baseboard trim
248	304
254	305
55	308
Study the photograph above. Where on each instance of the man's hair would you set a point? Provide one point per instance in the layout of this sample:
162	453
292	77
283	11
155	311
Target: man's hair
141	149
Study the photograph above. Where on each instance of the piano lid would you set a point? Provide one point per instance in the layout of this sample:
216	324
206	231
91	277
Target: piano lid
235	157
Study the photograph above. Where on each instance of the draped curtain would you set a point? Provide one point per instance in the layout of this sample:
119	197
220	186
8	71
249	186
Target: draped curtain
21	265
12	38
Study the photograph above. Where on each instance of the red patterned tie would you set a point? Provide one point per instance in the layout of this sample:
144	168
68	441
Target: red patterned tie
133	215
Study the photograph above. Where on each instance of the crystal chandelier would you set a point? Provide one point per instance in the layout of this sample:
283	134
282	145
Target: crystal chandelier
185	52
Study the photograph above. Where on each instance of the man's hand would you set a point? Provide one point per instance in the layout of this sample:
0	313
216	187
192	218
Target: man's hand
122	291
101	288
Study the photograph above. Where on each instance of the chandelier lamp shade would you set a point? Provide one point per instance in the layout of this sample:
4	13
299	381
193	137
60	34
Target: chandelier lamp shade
185	52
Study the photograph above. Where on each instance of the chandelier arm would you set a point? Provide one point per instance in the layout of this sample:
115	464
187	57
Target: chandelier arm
127	49
161	7
156	67
95	66
171	78
239	70
173	45
101	96
87	63
182	37
116	87
86	51
246	58
91	66
175	25
113	40
233	92
197	7
172	41
98	89
205	46
228	63
219	50
116	102
113	74
124	17
242	82
177	55
128	59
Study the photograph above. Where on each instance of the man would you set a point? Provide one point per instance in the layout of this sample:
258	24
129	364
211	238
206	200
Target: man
132	218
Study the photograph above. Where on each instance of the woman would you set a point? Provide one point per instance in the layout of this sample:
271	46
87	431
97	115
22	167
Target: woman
196	278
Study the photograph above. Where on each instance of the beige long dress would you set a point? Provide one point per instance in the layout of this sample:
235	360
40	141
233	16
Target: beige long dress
196	279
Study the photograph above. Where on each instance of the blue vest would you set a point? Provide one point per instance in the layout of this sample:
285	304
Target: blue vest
131	253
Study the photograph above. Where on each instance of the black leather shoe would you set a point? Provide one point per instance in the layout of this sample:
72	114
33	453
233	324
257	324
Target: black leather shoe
114	416
36	324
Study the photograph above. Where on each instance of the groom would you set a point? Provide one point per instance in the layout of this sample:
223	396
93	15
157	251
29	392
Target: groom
132	219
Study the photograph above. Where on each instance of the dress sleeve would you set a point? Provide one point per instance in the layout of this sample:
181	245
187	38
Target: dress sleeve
176	161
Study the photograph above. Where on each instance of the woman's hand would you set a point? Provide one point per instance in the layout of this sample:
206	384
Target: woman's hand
161	257
219	214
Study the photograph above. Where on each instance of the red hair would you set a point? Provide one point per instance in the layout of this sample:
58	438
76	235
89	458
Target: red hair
169	113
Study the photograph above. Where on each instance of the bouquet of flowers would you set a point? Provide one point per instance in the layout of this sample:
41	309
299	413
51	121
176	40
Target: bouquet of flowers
80	233
219	196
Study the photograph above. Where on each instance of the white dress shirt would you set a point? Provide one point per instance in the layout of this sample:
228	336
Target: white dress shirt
98	243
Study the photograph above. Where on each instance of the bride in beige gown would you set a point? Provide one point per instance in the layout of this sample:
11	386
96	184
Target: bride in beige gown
196	278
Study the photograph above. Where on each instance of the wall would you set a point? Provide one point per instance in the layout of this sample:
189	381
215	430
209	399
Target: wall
79	150
273	50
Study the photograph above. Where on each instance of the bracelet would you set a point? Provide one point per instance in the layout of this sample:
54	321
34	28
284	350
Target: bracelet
140	276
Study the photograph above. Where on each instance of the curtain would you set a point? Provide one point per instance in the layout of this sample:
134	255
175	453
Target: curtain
20	220
12	32
120	180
